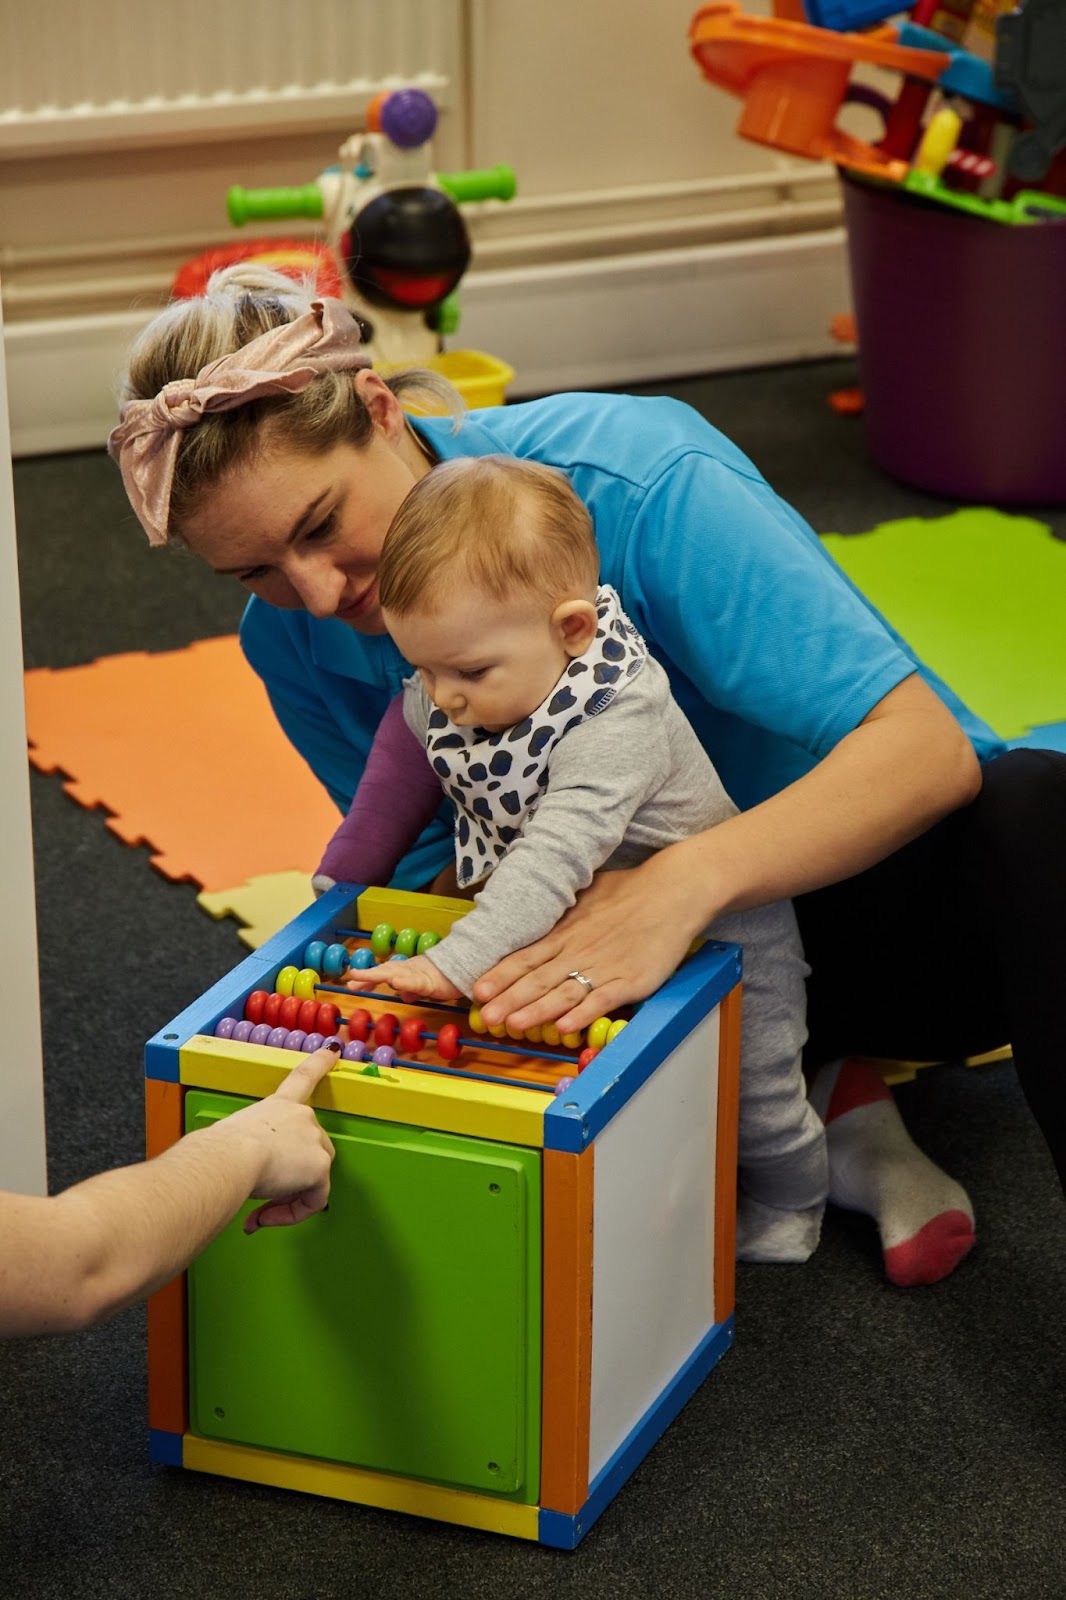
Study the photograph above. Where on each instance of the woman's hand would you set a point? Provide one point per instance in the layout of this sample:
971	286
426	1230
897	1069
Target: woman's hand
627	933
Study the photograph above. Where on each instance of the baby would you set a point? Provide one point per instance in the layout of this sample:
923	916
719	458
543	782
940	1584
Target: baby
554	733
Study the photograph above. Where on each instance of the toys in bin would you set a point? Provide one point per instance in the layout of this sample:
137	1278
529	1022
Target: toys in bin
396	238
979	118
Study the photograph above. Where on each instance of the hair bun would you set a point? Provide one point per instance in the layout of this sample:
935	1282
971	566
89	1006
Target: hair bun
261	282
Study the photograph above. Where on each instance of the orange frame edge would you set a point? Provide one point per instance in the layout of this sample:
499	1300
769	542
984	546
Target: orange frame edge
168	1396
725	1165
567	1337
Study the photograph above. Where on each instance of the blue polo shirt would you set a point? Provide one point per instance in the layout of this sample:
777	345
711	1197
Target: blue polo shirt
771	651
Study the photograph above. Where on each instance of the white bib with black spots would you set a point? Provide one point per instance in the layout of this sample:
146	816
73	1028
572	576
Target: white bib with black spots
496	779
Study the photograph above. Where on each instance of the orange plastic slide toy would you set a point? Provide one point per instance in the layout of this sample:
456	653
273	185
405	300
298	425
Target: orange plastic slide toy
793	79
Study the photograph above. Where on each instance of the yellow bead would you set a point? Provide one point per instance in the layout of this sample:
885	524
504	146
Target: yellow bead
513	1032
551	1033
572	1040
499	1031
475	1021
598	1032
285	980
535	1034
615	1029
304	983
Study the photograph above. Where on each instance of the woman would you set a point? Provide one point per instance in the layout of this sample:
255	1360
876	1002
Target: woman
925	862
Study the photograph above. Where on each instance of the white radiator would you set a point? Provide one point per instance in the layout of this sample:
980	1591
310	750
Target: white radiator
142	72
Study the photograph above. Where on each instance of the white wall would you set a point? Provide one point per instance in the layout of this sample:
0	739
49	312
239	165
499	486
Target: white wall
112	174
22	1166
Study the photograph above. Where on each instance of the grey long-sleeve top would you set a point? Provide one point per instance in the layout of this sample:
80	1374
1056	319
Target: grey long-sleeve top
621	785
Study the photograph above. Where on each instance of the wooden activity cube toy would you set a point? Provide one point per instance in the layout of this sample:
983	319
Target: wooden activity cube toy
515	1287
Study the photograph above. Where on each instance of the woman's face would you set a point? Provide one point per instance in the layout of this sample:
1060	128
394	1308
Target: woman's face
304	532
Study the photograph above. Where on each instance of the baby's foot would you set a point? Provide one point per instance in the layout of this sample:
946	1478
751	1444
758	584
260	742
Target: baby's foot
766	1233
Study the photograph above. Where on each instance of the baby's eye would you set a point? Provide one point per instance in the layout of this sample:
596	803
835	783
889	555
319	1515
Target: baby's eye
253	575
473	674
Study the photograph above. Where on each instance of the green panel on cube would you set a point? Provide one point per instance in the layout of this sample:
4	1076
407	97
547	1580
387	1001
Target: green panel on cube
399	1330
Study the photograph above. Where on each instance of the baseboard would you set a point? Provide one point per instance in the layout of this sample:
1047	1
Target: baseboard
620	319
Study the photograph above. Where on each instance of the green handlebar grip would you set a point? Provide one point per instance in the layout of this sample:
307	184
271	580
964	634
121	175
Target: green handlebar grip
491	183
258	205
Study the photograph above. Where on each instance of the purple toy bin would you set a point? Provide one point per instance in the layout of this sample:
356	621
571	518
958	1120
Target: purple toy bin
962	346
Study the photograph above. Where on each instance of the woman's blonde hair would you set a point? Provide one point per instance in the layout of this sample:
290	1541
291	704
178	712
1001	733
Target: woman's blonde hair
496	523
240	303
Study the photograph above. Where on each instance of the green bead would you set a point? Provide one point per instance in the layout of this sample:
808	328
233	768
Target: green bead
427	940
406	941
381	938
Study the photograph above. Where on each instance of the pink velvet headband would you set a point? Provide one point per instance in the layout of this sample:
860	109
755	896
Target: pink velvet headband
281	361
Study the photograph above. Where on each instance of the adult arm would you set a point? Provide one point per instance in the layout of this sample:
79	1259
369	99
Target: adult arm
907	764
398	795
75	1258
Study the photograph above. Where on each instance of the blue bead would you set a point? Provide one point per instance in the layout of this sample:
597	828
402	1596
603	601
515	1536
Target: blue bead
362	959
314	953
335	961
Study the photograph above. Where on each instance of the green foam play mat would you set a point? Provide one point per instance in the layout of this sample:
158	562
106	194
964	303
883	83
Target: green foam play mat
981	597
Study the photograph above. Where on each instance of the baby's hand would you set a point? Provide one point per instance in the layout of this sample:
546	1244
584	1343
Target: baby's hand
417	977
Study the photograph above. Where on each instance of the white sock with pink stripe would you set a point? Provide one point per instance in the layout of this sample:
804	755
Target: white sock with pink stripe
924	1217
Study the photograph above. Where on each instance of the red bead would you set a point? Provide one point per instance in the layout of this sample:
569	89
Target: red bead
359	1024
289	1010
272	1009
307	1015
327	1019
410	1036
385	1028
587	1055
448	1044
253	1006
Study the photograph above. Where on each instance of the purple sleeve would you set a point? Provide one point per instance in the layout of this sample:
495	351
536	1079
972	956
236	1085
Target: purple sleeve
398	796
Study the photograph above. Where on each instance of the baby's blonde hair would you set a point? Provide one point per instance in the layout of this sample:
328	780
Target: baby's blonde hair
240	303
494	523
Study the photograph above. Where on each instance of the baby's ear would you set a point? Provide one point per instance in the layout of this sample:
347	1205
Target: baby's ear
576	624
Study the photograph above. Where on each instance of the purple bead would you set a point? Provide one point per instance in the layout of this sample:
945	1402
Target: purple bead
384	1055
224	1028
562	1086
408	118
260	1033
242	1031
354	1050
295	1040
279	1038
313	1041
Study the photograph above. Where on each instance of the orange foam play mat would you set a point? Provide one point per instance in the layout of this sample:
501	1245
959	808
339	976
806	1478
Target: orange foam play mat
183	751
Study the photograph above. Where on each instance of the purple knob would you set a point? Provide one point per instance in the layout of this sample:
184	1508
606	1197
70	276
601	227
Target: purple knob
279	1038
242	1031
562	1086
355	1050
224	1029
313	1041
384	1055
295	1040
408	118
260	1033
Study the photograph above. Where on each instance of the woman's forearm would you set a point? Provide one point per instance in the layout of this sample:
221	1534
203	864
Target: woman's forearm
904	767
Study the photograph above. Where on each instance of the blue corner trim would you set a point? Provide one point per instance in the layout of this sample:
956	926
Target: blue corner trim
561	1532
575	1118
256	971
164	1448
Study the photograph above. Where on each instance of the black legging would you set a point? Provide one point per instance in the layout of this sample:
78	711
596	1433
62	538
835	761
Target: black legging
957	943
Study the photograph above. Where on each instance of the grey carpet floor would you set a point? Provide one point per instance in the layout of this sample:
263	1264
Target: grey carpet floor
859	1443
